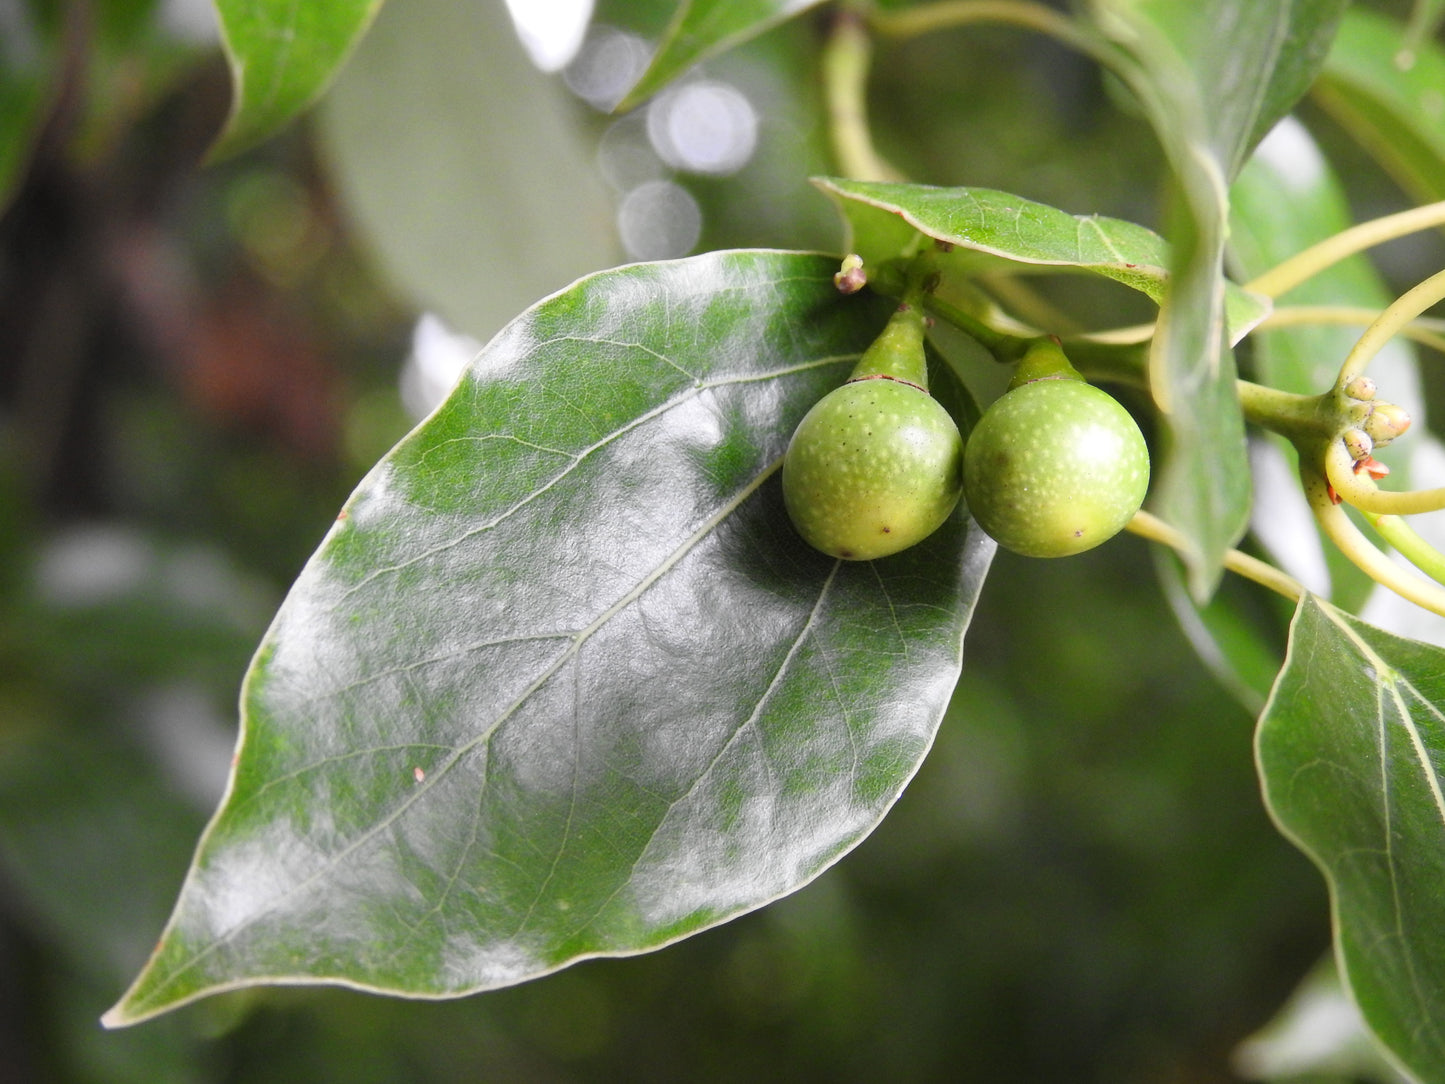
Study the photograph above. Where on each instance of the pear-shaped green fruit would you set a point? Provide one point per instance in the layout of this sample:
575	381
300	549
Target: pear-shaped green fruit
875	467
1055	467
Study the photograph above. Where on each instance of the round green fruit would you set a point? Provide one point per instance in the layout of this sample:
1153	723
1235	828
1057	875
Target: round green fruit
1055	467
875	467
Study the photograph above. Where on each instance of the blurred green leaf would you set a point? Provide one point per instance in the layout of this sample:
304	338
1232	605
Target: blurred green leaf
29	79
562	681
993	231
463	166
282	56
1213	76
701	28
1425	18
1391	109
1232	646
1350	749
1286	199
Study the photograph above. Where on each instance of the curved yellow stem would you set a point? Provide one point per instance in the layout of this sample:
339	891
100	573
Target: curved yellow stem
927	18
1360	490
1147	525
1410	545
1368	558
1289	274
1424	330
1388	324
846	60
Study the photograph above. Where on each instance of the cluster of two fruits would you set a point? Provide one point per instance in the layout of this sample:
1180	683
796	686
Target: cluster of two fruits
1053	468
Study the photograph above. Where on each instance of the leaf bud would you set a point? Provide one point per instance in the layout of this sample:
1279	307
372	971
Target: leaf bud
1358	443
1361	387
1386	422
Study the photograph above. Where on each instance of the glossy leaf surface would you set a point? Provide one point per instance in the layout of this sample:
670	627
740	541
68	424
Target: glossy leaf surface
1391	109
997	231
562	681
1213	77
282	56
1351	749
704	27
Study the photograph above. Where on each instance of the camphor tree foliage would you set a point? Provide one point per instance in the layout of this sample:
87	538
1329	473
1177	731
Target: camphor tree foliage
565	679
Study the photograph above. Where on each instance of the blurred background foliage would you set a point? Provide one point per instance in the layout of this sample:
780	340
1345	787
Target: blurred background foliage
198	362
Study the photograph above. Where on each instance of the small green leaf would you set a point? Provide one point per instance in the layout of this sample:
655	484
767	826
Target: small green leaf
1351	748
563	681
993	231
282	56
1393	110
704	27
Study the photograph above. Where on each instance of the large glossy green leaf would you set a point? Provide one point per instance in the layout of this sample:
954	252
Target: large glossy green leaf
562	681
283	55
1351	749
704	27
1391	109
463	166
992	231
1214	76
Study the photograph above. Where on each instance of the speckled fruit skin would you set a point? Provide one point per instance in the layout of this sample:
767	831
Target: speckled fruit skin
1055	467
875	467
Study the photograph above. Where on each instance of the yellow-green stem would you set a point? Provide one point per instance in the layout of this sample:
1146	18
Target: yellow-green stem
1289	274
1359	489
948	14
1405	308
1368	557
846	60
1426	331
1411	546
1149	526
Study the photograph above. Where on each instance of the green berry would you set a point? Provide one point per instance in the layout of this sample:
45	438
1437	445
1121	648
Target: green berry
1055	467
875	467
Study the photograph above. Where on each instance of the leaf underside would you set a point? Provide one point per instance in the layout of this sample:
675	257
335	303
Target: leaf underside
1351	749
562	681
